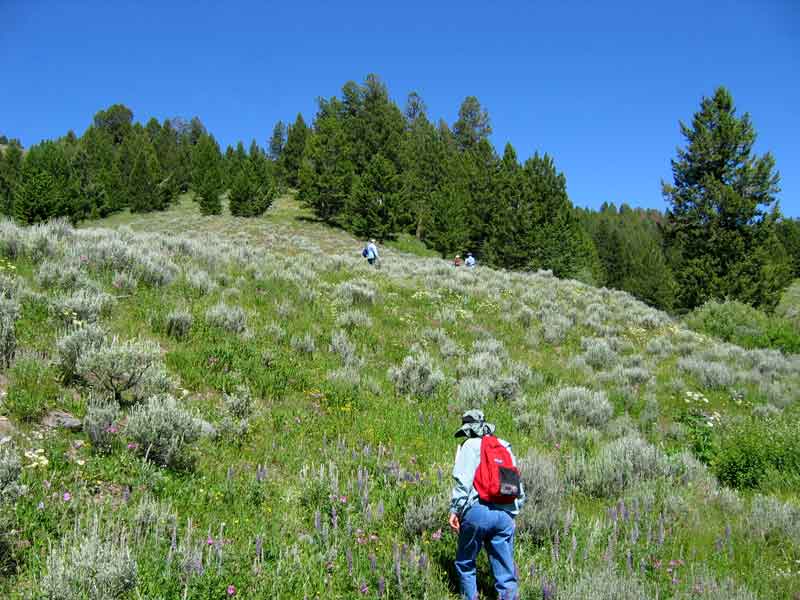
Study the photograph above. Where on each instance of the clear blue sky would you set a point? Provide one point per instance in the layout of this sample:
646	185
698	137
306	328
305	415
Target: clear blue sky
598	85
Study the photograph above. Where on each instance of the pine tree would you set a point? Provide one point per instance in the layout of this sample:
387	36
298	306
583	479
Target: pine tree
10	172
116	121
327	172
371	206
472	125
277	141
719	221
207	175
145	192
292	155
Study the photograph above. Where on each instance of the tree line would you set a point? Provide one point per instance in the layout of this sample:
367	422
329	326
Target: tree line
379	170
120	164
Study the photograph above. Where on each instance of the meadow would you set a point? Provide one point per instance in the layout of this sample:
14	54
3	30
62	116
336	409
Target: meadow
262	414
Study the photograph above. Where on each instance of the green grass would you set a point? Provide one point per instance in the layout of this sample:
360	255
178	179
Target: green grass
314	435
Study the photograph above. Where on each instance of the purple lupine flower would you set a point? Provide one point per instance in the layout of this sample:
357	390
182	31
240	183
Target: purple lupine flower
728	533
126	494
381	586
532	570
363	588
334	517
423	562
629	561
317	521
397	571
229	475
368	513
547	590
259	548
556	545
349	555
373	562
380	509
661	533
635	533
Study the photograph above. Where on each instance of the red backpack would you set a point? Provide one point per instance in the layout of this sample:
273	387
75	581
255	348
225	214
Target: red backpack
496	478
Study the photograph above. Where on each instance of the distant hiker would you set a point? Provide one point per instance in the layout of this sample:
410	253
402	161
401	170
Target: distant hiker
470	262
370	252
457	262
486	497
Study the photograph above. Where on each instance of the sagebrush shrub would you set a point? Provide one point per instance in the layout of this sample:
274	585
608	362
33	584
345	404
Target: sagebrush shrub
154	517
163	431
100	423
425	515
179	323
356	292
91	565
711	375
555	327
62	276
200	280
305	344
128	370
581	405
229	318
238	408
474	391
9	313
416	376
341	345
481	364
74	344
543	496
124	281
83	305
618	464
10	470
605	583
352	318
771	517
598	353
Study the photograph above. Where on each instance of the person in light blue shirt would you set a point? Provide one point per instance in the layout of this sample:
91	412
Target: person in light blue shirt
372	253
470	262
479	523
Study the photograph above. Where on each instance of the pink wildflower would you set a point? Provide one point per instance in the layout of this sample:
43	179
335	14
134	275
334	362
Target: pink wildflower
436	535
67	497
231	590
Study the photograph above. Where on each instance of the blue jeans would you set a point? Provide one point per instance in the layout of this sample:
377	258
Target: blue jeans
494	528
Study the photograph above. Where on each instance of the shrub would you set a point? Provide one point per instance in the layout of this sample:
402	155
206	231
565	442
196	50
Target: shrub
711	375
582	405
747	451
770	517
75	344
179	323
94	565
163	431
745	326
131	367
10	470
154	517
543	494
603	583
425	515
481	364
229	318
555	327
32	388
238	407
598	354
416	376
200	280
356	292
474	391
304	344
83	305
618	464
124	281
350	319
341	345
9	313
100	423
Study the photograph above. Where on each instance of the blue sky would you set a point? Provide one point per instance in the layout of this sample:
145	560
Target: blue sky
598	85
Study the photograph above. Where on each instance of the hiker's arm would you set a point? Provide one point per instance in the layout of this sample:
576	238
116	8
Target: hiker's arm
520	501
467	460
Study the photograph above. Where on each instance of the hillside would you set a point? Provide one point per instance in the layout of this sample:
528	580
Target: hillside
265	415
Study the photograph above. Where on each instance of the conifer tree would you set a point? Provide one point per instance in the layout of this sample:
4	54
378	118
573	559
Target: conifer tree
10	173
292	155
277	141
116	121
207	175
472	125
145	192
720	224
371	207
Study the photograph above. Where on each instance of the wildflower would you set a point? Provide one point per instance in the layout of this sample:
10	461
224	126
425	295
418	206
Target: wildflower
112	429
343	499
436	535
66	497
132	446
40	506
231	590
363	588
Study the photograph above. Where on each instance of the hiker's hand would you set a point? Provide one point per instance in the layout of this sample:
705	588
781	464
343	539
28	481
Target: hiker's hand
454	522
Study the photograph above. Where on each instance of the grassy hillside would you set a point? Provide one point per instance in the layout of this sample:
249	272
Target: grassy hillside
266	416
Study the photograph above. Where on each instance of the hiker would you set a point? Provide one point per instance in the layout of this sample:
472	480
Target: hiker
470	262
486	497
457	262
370	252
